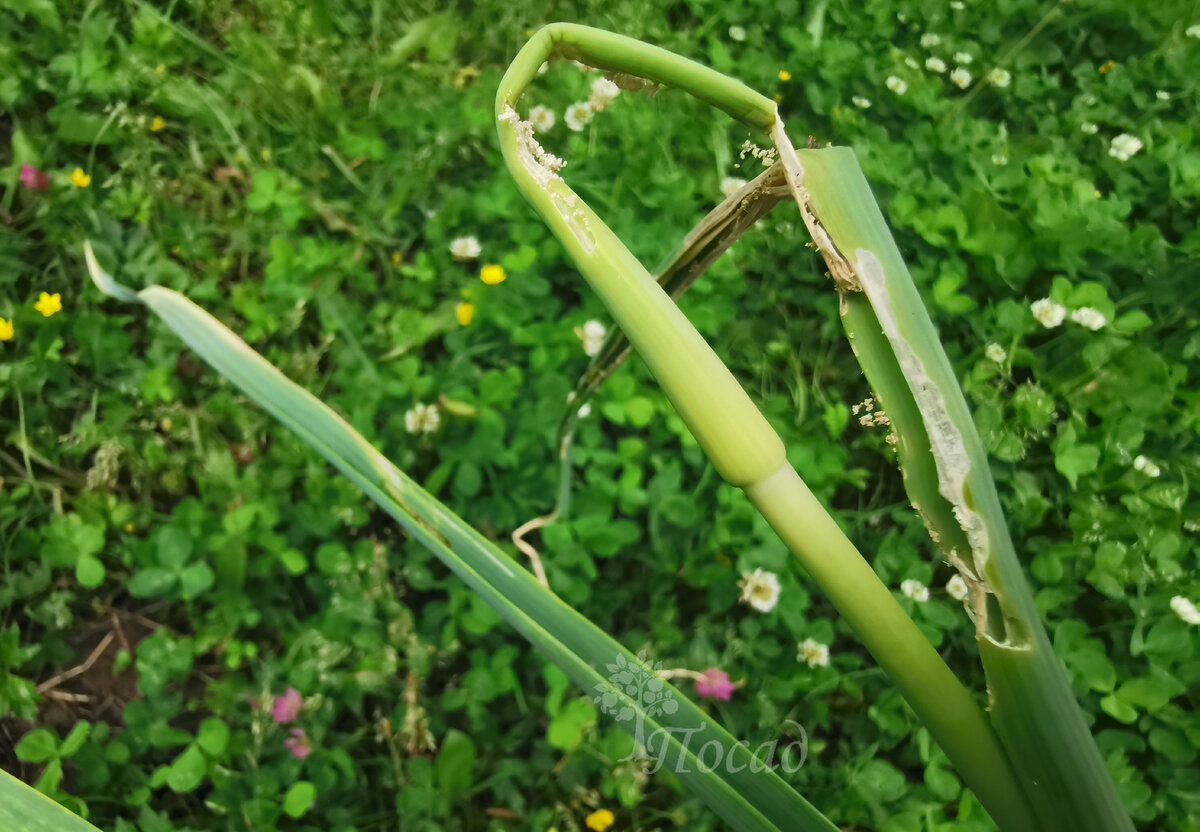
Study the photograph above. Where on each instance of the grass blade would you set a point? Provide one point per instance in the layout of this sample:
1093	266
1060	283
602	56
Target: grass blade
947	477
747	799
24	809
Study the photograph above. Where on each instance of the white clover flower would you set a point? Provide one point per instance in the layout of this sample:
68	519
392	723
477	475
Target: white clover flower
935	65
423	418
1048	313
464	248
995	352
1185	609
542	118
896	85
915	590
998	77
760	589
930	40
1000	158
1089	127
737	33
957	588
911	63
860	102
1162	95
730	185
814	653
1193	31
592	335
1124	146
961	77
1146	467
963	58
585	411
1089	317
578	115
603	93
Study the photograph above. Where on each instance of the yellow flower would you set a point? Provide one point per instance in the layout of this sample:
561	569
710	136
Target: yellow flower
129	527
397	258
464	312
80	179
492	274
600	820
157	124
48	304
1107	67
784	75
6	330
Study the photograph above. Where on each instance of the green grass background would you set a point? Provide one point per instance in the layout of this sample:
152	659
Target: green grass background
315	162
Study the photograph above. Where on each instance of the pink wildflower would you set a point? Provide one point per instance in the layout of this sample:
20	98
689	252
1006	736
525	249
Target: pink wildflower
287	707
298	743
714	683
34	179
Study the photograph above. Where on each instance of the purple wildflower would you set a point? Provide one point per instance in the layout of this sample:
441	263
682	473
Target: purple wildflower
714	683
298	743
34	179
287	707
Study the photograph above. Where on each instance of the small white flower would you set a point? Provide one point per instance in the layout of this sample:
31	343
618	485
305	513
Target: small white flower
1146	467
896	85
464	248
1089	127
585	411
1048	313
930	40
603	93
860	102
995	352
737	33
1000	158
730	185
1089	317
1124	146
760	589
1185	609
961	77
1193	31
957	588
998	77
814	653
915	590
592	335
911	63
578	115
423	418
963	58
935	64
1162	95
542	118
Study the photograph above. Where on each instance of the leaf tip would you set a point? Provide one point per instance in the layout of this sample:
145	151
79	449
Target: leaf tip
103	280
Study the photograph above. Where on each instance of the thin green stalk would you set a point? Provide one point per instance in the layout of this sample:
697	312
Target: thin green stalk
930	687
743	447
